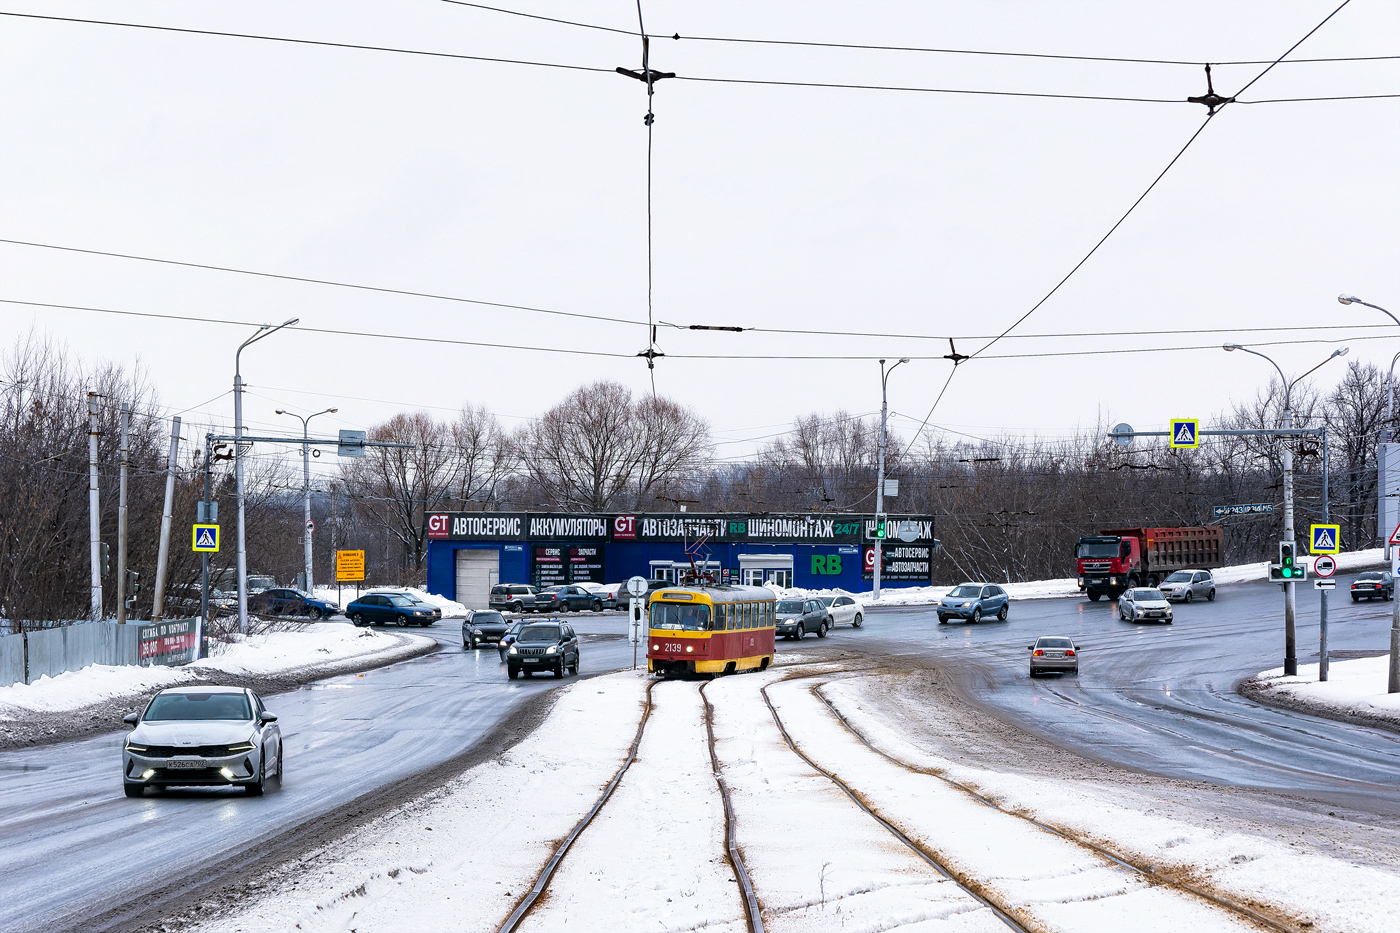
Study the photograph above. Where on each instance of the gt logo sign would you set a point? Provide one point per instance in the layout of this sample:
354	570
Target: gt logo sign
438	526
826	564
625	528
870	560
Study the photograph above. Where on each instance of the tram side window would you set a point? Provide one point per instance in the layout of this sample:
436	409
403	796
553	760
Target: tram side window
748	615
768	611
682	616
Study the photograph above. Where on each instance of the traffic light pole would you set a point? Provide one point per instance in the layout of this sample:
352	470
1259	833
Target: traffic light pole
1290	598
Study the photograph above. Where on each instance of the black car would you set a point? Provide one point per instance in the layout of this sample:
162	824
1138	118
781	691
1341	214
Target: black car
511	634
483	627
396	608
1377	584
282	601
571	598
513	597
543	646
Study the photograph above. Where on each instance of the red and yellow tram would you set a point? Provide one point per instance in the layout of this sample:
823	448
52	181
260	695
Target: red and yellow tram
710	629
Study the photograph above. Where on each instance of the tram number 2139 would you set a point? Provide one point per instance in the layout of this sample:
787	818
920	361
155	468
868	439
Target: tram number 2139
672	646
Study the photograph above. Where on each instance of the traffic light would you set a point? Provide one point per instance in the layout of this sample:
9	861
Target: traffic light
880	521
104	561
133	582
1287	560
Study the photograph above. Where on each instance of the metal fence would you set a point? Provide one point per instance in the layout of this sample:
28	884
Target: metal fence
26	657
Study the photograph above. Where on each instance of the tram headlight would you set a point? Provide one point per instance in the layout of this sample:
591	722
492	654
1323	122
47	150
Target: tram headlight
689	649
655	647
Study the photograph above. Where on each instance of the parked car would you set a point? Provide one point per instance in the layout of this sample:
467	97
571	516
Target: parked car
387	608
185	598
1187	585
201	736
1054	653
842	610
797	617
607	593
1144	604
571	598
974	602
483	627
511	634
543	646
512	597
282	601
1375	584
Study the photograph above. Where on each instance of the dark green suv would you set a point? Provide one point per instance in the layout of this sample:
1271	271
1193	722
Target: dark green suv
543	646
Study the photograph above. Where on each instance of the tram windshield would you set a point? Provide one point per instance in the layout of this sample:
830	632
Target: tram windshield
683	616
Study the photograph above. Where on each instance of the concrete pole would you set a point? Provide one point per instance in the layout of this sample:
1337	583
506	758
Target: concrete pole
1322	659
880	484
158	607
94	523
202	634
1290	602
238	488
306	501
125	450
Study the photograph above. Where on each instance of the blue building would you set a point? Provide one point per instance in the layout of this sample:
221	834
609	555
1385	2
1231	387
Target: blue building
469	552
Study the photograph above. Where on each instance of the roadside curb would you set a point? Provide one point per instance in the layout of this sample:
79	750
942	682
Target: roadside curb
48	728
1262	692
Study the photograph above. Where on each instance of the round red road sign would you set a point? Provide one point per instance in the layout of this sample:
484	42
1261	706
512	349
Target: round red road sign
1324	566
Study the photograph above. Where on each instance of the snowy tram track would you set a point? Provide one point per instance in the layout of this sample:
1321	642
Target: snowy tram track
1036	913
731	847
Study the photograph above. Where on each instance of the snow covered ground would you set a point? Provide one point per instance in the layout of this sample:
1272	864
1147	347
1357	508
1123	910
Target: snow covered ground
276	652
1355	686
653	859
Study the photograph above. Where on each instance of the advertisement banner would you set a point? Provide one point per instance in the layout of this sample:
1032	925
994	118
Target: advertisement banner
168	642
586	564
902	563
550	566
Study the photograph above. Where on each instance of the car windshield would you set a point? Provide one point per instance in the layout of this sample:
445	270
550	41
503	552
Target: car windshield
488	618
966	590
542	634
685	617
172	706
1054	643
1097	549
789	605
1146	594
1181	576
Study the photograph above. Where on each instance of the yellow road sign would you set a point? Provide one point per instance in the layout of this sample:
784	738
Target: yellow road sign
1186	432
1326	539
349	566
205	538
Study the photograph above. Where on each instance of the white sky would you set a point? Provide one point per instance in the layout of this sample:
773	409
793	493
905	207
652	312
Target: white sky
773	207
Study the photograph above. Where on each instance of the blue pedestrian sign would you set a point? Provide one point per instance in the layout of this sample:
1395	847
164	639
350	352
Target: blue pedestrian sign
1186	432
1326	539
206	538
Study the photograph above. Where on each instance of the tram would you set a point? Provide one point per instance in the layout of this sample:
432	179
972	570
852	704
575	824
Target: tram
710	629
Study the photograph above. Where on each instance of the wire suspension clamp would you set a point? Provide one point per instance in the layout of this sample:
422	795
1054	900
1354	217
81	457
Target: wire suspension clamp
1210	99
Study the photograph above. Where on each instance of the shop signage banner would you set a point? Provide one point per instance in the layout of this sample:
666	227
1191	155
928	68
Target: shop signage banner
168	642
902	563
586	564
670	527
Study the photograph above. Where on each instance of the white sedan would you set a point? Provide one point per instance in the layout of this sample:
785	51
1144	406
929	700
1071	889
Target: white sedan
1144	604
842	610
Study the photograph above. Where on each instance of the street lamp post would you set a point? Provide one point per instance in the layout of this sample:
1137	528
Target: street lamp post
880	478
306	483
1290	603
261	332
1393	684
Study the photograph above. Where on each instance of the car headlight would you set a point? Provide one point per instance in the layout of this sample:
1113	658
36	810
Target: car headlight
419	612
966	604
138	749
241	747
552	649
512	650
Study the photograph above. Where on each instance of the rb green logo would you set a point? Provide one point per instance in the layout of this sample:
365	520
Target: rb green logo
826	564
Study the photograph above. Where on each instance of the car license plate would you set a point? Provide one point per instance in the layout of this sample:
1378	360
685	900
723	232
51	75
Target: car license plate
532	660
185	763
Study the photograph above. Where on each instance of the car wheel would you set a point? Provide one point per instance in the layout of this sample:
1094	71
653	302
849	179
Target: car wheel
281	758
977	614
315	614
573	668
513	672
597	605
821	630
858	621
1075	672
559	669
1355	598
942	620
1210	597
256	789
134	790
1187	598
515	607
358	619
800	632
1001	616
1034	672
1094	597
1122	616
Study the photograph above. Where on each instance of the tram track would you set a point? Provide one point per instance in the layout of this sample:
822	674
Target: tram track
1148	873
752	909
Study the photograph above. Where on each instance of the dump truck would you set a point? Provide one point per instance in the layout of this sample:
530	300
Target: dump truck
1117	558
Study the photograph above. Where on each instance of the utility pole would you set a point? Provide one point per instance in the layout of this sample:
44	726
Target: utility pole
880	476
125	450
1322	660
206	513
158	607
1290	598
94	523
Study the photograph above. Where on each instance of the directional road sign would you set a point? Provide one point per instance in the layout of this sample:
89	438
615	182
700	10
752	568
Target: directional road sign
1326	539
1324	584
1325	566
206	538
1185	432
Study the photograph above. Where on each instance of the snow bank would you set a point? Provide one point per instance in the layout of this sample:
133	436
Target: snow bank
310	645
1355	687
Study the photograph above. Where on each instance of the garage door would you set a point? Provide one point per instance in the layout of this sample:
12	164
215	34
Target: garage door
478	569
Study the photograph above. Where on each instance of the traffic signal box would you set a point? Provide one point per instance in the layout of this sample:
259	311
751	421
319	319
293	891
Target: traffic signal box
1288	569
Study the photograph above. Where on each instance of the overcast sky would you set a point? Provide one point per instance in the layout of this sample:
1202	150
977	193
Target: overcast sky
804	208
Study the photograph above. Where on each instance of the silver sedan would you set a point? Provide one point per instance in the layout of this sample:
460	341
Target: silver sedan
202	736
1144	604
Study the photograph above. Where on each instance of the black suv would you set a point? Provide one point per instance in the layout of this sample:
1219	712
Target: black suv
483	627
513	597
543	646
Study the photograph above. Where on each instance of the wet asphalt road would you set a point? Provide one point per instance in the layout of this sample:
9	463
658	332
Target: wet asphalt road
1153	698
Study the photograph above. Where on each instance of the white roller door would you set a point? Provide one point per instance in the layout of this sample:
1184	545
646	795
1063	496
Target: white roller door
478	569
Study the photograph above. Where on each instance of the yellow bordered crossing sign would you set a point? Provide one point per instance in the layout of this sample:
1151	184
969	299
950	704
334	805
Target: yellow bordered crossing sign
205	538
1326	539
1186	432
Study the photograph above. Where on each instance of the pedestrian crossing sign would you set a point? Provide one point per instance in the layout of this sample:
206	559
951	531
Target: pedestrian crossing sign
1326	539
206	538
1186	432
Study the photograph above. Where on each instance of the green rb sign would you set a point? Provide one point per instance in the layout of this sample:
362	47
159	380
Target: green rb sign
826	565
